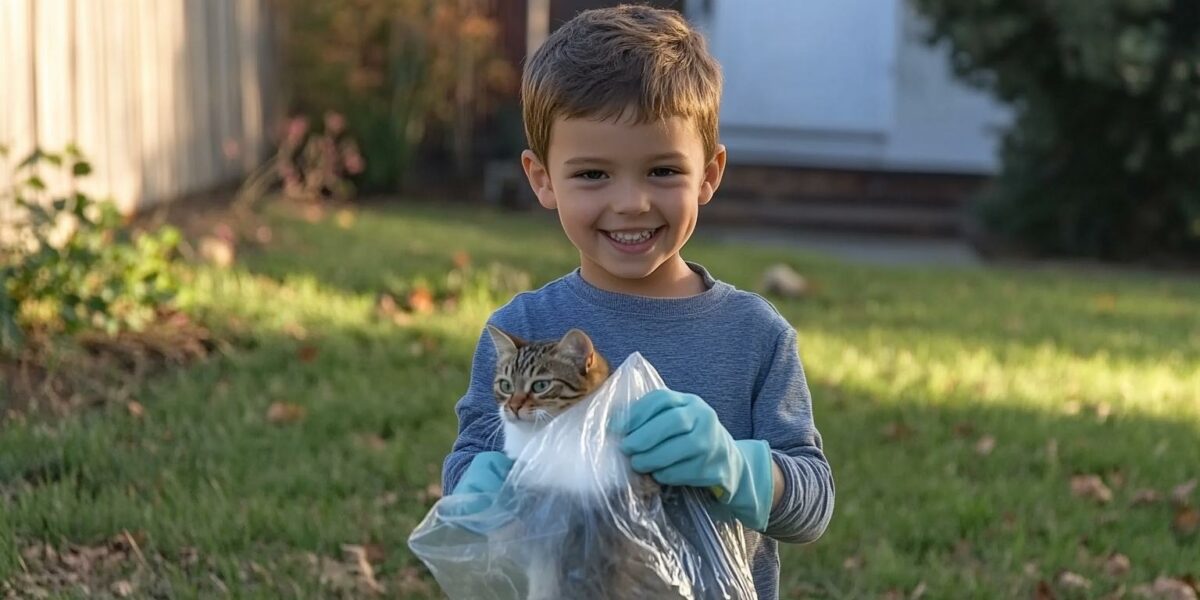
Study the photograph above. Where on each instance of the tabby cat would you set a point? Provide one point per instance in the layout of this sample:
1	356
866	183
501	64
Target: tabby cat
534	383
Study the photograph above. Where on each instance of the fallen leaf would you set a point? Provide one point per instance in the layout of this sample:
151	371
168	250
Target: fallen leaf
307	353
1117	594
1073	581
386	305
1104	303
1072	408
357	556
1103	411
1146	496
963	429
345	218
122	588
781	280
420	300
1181	494
1117	565
1043	591
295	330
462	259
896	431
217	251
1186	521
281	413
135	408
918	591
263	234
373	441
313	213
985	445
1166	588
1091	487
853	563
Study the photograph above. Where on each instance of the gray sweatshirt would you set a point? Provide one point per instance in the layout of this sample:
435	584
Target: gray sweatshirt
728	346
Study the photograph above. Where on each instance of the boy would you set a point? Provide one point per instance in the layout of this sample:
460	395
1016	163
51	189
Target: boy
620	109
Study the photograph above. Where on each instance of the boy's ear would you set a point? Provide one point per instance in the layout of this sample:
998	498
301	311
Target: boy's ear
539	179
713	172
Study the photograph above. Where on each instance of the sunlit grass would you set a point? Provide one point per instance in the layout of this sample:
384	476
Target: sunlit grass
910	369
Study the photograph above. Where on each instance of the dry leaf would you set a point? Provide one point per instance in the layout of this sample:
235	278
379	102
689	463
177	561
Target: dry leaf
782	280
263	234
357	556
1091	487
1186	520
1073	581
1043	591
345	218
462	259
1117	565
1182	493
420	300
122	588
386	305
307	353
985	445
373	441
918	591
896	431
217	251
432	493
853	563
135	408
1104	303
1166	588
963	429
1146	496
285	412
313	213
294	330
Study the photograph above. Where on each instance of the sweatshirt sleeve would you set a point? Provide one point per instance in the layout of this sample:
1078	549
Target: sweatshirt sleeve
783	417
478	420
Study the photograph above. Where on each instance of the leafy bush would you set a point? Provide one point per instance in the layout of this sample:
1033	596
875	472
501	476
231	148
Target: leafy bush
71	265
1103	156
400	69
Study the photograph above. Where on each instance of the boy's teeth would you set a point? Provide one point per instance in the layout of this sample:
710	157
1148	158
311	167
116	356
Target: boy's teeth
631	237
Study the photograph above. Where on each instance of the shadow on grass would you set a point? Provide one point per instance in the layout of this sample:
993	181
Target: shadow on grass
205	469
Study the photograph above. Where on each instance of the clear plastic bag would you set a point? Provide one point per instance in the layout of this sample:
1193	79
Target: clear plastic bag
573	521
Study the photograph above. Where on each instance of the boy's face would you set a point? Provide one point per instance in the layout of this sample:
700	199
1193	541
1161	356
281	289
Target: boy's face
628	196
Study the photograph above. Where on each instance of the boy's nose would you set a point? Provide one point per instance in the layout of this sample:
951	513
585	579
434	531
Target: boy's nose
633	200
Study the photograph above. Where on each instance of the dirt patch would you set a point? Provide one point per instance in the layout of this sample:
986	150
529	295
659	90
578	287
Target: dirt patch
56	376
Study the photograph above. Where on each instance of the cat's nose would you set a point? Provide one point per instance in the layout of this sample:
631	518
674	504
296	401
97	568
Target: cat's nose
516	402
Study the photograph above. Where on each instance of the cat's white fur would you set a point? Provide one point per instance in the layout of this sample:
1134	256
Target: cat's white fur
573	452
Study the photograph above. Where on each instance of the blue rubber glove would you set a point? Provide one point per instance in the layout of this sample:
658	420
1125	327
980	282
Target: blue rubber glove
678	439
485	474
473	503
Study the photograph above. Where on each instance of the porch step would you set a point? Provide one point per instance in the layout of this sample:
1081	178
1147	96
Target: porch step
923	204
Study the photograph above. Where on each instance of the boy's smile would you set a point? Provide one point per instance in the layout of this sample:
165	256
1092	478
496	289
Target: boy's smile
628	195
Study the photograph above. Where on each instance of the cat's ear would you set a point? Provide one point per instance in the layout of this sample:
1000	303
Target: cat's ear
577	345
506	344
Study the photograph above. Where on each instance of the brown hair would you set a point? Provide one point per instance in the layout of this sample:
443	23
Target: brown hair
607	61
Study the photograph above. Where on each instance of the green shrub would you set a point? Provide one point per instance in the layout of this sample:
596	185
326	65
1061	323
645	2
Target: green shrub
1102	159
72	265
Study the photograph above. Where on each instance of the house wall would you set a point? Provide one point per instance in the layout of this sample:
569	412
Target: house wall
847	84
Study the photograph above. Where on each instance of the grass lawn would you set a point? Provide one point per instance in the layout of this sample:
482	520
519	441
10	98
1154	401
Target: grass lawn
956	406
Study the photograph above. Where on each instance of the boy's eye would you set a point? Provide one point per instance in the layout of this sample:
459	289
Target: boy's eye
540	386
505	386
592	175
663	171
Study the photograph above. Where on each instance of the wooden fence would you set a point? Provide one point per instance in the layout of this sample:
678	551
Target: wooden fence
165	97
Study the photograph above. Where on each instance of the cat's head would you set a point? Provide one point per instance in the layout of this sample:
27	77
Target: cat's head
537	381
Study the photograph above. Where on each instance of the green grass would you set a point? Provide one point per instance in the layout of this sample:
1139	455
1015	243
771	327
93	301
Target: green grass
944	356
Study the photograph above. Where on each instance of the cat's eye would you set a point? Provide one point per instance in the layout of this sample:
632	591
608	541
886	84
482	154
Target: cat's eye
540	386
505	386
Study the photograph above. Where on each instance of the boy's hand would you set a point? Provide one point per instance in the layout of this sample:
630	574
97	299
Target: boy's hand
678	439
485	474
